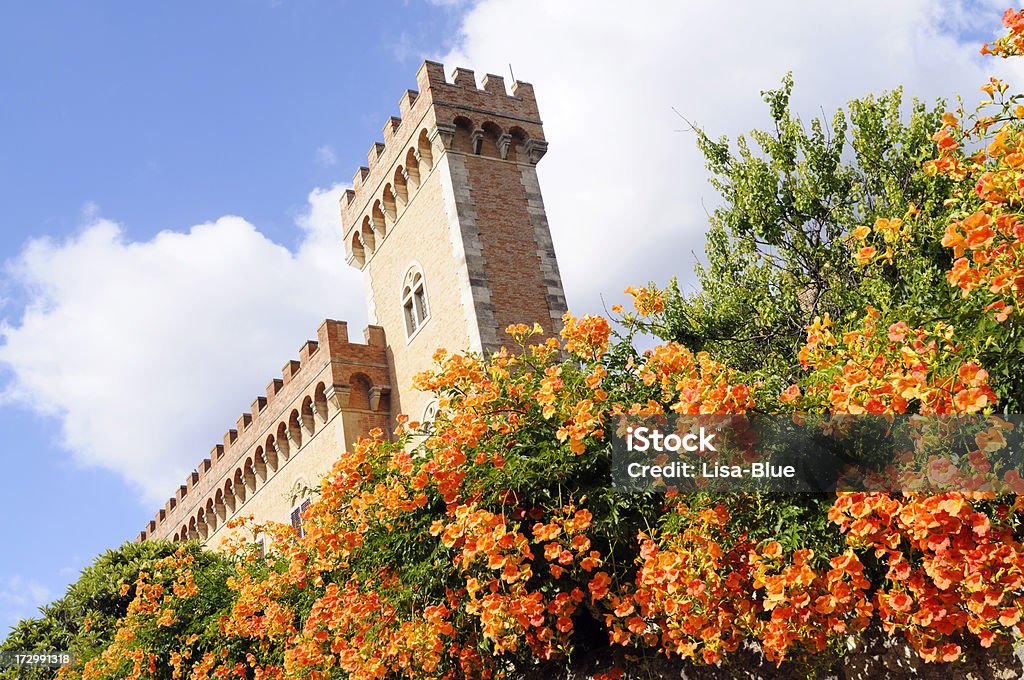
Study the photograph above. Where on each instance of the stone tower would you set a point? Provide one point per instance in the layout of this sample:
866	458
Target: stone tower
448	226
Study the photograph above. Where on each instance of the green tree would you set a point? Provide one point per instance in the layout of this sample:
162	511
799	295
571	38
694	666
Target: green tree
778	248
84	621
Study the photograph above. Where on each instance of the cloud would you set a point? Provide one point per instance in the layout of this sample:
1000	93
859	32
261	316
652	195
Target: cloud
626	192
20	598
325	156
142	348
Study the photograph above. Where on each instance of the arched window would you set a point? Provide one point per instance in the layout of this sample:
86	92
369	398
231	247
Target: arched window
426	156
296	516
414	301
430	412
358	251
300	500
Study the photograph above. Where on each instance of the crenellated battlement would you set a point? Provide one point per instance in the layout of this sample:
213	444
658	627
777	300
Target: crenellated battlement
310	391
442	116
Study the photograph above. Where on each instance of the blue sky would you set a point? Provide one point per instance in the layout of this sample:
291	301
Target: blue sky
169	176
167	114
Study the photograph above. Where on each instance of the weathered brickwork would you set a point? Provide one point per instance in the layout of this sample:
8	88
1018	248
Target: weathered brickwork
518	285
452	196
457	169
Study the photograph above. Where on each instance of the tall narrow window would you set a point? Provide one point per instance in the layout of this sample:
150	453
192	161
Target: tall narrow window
297	517
414	301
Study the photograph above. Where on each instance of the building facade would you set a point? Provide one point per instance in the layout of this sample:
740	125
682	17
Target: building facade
447	224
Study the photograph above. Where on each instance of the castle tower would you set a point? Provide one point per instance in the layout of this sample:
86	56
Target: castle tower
448	225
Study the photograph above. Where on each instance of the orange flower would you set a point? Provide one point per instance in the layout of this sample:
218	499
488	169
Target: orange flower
790	395
648	301
586	337
945	141
598	585
865	255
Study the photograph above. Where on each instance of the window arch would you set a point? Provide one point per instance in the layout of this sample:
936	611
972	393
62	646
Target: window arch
300	501
414	301
368	238
430	412
388	203
465	140
401	187
426	156
359	395
412	168
297	519
358	251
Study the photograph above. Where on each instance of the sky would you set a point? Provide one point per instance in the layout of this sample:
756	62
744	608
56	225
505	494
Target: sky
169	177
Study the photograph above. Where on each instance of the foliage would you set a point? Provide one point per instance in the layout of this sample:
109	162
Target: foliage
778	250
85	620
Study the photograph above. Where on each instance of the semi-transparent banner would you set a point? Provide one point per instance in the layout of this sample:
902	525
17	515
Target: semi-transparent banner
819	453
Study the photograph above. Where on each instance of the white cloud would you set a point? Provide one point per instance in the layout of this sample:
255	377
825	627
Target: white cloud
142	349
20	598
625	192
325	155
